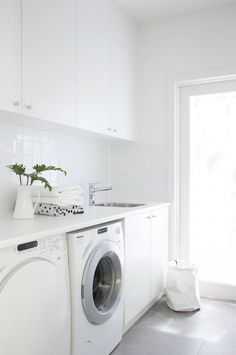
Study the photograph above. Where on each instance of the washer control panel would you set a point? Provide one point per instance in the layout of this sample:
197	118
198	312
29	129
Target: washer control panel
47	246
53	248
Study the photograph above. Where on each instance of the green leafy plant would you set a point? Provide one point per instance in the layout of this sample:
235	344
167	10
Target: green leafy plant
35	175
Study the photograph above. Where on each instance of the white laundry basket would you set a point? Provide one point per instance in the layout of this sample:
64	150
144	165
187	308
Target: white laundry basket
182	288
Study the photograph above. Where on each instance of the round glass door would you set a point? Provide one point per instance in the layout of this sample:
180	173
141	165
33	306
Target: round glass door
102	282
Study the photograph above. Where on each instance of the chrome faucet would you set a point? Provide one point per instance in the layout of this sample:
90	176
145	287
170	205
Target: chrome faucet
93	189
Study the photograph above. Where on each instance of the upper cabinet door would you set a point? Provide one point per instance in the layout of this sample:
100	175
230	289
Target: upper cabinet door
48	60
123	74
94	65
10	55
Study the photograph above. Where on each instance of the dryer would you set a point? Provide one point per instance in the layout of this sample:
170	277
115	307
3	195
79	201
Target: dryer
96	259
35	298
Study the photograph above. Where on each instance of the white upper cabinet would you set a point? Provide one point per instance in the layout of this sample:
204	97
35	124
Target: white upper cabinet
10	55
69	61
106	69
48	60
123	74
94	65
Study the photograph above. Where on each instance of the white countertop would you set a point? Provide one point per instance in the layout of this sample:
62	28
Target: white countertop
19	231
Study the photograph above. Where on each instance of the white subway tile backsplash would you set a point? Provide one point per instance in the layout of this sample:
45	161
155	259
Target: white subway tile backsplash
37	148
27	147
137	171
85	160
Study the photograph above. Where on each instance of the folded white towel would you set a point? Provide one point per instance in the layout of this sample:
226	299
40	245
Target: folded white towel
59	201
57	191
64	189
67	196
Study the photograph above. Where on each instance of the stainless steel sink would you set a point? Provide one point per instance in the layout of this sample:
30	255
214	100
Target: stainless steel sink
118	204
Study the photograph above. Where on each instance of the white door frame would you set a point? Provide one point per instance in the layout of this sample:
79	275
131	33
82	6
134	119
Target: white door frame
174	155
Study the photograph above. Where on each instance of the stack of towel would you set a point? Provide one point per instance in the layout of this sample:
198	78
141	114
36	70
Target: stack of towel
58	202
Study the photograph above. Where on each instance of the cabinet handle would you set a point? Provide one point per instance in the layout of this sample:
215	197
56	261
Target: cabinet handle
109	129
16	103
153	216
29	107
114	130
148	217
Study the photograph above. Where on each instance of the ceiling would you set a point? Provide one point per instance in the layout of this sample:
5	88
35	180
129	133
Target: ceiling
149	10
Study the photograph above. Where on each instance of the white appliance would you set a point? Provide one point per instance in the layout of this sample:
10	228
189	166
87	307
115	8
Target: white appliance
35	298
96	257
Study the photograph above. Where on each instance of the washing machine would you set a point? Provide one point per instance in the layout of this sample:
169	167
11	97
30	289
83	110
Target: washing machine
96	259
35	298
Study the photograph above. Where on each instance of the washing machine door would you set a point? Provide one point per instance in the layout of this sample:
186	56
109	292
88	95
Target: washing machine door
102	282
34	309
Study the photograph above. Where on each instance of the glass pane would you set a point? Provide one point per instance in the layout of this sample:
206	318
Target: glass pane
103	283
213	186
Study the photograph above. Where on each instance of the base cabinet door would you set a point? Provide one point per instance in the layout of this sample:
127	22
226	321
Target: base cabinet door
48	60
159	250
137	264
10	55
146	260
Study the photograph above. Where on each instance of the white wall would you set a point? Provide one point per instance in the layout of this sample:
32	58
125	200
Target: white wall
178	47
135	174
27	142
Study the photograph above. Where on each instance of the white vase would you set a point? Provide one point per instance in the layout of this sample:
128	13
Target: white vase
24	207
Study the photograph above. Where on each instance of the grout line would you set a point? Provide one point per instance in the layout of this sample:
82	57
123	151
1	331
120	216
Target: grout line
200	349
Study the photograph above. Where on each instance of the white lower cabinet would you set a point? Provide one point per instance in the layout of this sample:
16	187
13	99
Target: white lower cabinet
137	266
159	250
146	259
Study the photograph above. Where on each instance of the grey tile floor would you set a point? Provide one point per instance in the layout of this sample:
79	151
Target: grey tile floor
161	331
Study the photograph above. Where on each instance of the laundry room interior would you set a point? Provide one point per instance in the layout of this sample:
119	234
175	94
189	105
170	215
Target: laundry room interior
117	177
